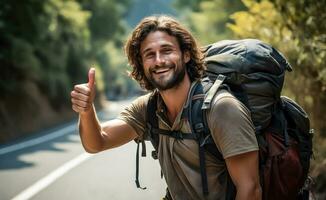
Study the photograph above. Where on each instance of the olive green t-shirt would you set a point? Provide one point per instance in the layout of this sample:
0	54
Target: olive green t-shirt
231	128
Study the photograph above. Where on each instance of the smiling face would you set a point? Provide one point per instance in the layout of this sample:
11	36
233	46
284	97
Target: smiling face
163	62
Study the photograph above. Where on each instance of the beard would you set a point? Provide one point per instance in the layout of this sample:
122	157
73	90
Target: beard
171	80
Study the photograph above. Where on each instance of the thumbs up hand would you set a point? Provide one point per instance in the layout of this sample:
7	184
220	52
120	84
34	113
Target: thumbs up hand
91	78
83	95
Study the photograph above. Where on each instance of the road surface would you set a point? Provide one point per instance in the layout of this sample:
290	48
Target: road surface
53	165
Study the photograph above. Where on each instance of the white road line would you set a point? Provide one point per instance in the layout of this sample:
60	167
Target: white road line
45	138
47	180
38	140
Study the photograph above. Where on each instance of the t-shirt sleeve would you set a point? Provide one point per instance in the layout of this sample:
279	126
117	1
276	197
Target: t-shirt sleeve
231	126
135	115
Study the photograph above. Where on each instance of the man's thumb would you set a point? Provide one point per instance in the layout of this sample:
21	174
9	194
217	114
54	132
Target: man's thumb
91	78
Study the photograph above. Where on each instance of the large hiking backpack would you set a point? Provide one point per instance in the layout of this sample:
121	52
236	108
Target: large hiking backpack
254	73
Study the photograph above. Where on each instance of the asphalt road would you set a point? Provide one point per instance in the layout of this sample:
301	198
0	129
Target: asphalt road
53	165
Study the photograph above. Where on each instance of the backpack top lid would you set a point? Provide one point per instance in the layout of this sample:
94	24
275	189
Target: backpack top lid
252	68
247	56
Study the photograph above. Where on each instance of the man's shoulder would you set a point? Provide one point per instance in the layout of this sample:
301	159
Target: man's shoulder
137	106
230	124
135	114
225	105
143	99
225	98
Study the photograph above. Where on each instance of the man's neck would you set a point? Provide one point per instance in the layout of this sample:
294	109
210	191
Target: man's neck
175	98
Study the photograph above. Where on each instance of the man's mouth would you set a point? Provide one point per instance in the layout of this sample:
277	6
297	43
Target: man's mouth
161	71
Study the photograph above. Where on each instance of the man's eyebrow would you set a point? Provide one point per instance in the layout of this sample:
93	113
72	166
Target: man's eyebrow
167	45
162	46
146	50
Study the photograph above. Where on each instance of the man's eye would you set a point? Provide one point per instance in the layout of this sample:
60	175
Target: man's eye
149	55
166	51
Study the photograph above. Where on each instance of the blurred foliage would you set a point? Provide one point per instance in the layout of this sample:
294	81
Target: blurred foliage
38	37
51	44
142	8
118	83
192	5
208	18
109	29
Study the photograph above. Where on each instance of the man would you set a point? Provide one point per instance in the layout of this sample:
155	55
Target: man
167	61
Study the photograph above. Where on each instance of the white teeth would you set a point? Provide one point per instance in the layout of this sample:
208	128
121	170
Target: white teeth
161	70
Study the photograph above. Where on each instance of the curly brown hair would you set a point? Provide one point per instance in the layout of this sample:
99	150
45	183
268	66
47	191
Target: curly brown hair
195	67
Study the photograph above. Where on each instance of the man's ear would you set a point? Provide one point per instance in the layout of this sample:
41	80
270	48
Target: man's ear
186	57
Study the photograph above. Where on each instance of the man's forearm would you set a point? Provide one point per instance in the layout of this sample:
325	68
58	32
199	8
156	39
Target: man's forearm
90	131
249	192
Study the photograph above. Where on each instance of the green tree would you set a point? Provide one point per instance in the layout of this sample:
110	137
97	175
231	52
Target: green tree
208	18
305	20
107	33
47	47
39	36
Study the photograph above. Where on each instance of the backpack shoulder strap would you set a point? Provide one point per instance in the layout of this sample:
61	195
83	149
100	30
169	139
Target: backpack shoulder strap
152	122
203	91
198	128
212	91
198	121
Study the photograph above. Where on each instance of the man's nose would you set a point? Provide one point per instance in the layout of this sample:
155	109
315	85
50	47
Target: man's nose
159	59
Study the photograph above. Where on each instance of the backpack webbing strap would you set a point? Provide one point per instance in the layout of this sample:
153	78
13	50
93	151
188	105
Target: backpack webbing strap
175	134
205	141
137	169
198	127
203	169
231	190
211	92
152	121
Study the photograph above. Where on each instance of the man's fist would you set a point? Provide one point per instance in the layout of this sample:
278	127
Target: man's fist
83	95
